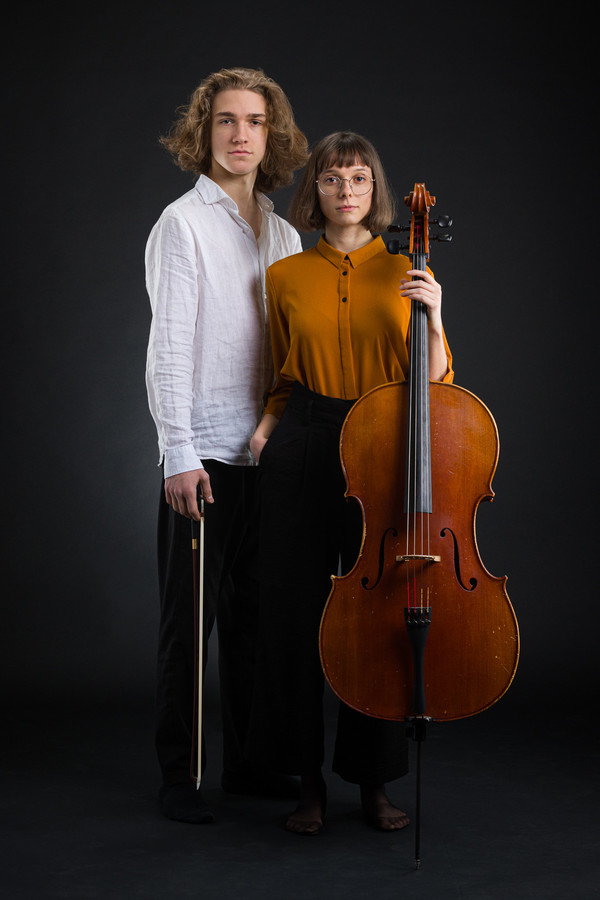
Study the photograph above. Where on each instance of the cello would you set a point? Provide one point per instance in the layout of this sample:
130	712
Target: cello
419	630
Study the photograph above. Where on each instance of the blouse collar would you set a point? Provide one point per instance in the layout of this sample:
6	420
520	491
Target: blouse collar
356	257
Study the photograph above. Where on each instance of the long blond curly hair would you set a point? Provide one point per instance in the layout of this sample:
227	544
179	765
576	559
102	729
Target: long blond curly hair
189	138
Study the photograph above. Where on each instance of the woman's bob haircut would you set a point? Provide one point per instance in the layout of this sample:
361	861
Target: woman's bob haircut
341	149
189	139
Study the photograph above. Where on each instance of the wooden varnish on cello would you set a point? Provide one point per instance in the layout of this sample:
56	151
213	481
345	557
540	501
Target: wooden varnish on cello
419	630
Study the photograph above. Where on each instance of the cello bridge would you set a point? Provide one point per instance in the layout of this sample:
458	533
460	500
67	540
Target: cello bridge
418	557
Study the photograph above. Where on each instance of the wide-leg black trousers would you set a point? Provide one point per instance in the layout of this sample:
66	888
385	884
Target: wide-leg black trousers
306	526
230	597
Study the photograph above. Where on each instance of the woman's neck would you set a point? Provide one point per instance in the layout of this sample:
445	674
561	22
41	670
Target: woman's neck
347	238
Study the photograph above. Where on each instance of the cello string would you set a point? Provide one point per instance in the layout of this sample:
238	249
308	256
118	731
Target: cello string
409	465
418	486
410	459
422	348
423	423
422	401
425	429
415	451
412	462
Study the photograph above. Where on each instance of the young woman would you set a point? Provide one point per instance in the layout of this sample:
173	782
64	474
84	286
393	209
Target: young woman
340	317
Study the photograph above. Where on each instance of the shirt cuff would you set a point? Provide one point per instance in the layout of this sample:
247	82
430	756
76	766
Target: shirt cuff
181	459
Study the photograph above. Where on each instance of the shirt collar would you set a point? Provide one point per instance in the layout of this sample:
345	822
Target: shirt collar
356	257
210	192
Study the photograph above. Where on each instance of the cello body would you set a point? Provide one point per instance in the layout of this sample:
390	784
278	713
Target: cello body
472	644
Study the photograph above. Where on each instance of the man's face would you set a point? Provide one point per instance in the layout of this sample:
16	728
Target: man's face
238	131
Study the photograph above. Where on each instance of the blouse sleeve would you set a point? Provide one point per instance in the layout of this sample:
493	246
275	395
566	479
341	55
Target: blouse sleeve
280	345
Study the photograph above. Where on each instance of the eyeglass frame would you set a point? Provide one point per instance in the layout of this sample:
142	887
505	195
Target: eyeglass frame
342	180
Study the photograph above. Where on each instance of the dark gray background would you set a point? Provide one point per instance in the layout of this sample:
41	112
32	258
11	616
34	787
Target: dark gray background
489	104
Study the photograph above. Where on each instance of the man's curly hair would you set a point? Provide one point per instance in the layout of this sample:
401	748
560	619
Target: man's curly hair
189	139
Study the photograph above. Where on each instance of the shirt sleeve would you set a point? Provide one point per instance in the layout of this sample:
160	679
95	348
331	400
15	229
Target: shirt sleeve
449	376
172	284
280	345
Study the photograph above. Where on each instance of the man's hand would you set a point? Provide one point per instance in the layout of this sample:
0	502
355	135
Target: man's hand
181	492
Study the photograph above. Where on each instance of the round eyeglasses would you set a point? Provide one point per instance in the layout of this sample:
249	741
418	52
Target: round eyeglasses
331	184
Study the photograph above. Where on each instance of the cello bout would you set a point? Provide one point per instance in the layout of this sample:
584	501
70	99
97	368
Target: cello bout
472	647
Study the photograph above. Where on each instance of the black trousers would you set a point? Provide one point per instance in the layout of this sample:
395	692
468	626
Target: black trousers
230	597
307	525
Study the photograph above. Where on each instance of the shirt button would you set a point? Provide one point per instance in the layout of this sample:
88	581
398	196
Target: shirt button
343	299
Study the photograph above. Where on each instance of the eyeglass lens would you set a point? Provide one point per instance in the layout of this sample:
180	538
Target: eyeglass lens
330	184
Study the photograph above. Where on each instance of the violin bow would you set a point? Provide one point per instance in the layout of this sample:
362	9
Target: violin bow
198	575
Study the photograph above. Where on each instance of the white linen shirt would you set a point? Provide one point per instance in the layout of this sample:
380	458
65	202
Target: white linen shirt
209	358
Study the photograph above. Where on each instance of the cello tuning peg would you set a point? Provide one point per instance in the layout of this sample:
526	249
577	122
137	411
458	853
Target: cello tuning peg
396	246
395	228
442	238
443	221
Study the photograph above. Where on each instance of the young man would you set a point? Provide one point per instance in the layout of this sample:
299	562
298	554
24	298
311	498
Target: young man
208	369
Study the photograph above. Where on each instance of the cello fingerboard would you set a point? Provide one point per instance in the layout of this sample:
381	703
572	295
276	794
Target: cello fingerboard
417	495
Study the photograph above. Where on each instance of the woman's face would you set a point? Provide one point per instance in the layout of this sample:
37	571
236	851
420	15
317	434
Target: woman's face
345	206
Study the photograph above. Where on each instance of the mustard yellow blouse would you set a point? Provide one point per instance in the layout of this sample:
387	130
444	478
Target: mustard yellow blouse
339	325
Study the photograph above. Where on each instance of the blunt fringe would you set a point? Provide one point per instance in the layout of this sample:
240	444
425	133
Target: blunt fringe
341	149
188	141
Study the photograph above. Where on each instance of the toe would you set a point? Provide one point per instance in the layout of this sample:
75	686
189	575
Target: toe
297	826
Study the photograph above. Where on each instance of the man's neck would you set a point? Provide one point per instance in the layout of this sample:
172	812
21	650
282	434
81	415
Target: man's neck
239	187
241	190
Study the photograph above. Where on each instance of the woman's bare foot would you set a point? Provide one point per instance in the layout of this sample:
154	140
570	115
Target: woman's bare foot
308	816
379	812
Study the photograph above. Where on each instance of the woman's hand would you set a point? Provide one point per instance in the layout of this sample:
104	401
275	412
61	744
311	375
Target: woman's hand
262	434
257	442
426	289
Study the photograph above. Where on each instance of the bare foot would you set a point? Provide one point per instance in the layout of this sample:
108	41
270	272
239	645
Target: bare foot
379	812
307	818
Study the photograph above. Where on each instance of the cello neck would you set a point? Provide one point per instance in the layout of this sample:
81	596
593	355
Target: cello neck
418	443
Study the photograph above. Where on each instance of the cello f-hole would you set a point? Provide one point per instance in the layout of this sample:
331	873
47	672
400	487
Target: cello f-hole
472	581
365	581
